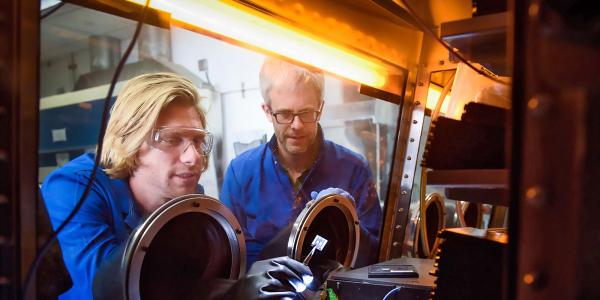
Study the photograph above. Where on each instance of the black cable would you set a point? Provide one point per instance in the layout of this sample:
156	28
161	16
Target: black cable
52	10
44	249
452	50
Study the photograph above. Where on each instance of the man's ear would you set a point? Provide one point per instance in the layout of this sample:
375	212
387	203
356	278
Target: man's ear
321	110
267	112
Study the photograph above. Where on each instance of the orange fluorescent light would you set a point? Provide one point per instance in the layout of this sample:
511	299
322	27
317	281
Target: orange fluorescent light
263	32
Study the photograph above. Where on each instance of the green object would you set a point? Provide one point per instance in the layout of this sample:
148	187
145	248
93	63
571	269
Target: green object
331	294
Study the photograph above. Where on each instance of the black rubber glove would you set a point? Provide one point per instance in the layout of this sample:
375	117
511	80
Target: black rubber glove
275	278
321	268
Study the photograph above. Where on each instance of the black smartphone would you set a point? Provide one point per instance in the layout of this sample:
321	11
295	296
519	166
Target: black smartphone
393	271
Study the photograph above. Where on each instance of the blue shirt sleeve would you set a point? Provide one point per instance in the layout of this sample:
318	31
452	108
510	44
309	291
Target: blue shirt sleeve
88	238
230	192
370	216
232	196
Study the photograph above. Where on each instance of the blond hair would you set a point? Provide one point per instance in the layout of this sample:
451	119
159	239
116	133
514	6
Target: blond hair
277	72
134	115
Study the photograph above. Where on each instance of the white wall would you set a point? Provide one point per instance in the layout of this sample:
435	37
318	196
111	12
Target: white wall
229	66
233	71
57	77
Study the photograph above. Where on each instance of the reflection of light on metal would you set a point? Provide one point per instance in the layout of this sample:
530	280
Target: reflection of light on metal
469	214
431	221
333	217
433	95
167	230
232	22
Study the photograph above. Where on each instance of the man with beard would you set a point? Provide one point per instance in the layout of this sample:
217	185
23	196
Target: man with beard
268	186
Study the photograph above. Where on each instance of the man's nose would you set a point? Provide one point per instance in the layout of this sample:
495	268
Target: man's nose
296	122
190	155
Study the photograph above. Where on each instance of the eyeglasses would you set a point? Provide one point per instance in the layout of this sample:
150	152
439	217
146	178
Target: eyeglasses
287	117
178	139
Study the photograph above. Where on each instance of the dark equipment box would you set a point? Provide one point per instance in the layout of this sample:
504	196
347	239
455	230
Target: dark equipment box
356	284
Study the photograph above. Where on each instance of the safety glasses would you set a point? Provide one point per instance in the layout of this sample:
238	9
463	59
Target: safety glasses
178	139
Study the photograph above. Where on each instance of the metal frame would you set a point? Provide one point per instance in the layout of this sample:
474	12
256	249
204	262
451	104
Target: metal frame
554	230
19	34
398	197
431	199
141	238
310	212
406	160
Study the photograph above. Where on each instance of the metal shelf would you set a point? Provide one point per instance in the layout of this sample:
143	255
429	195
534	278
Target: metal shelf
486	186
494	196
481	39
470	178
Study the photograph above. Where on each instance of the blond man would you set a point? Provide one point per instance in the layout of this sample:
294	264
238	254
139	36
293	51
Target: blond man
141	168
155	148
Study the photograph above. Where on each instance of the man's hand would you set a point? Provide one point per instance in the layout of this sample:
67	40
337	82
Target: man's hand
331	191
275	278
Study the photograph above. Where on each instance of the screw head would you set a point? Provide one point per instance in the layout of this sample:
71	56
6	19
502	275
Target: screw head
534	279
533	103
534	9
539	105
528	279
535	196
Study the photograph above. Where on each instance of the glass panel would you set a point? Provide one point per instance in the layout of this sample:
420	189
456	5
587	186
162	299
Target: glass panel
460	130
80	49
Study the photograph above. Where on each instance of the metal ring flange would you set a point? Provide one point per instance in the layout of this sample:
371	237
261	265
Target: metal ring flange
308	215
143	235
